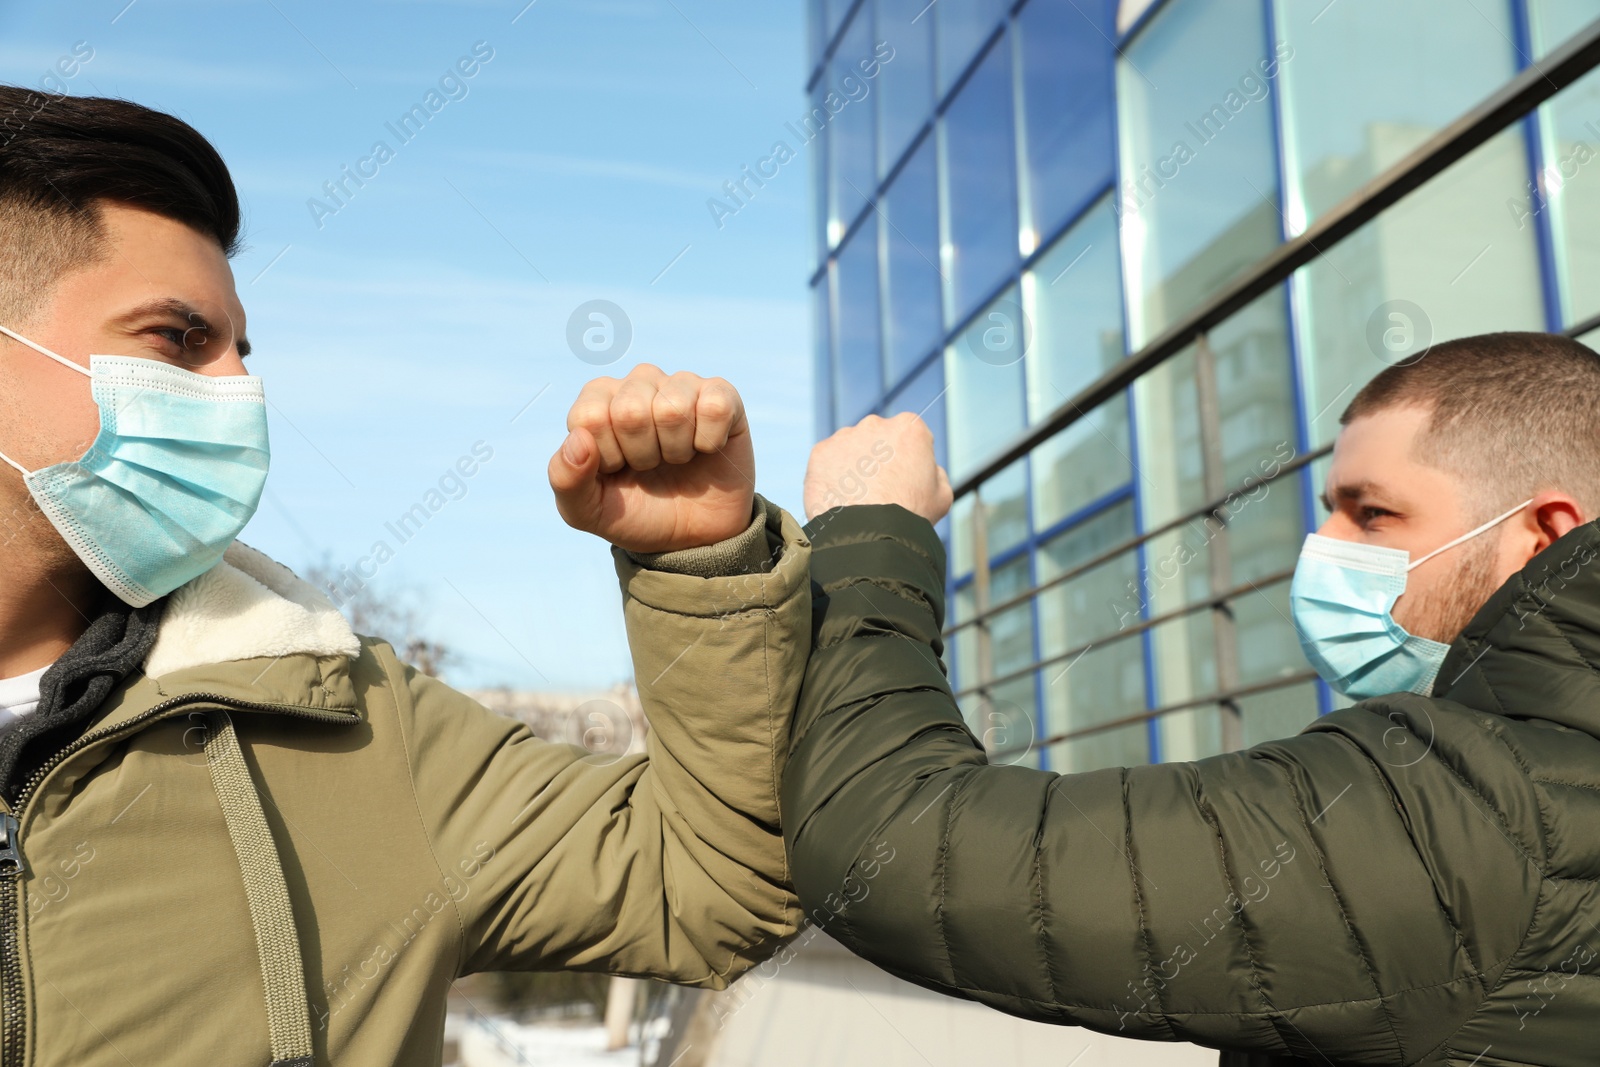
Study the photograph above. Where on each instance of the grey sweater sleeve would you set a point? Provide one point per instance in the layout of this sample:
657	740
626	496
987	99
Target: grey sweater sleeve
747	552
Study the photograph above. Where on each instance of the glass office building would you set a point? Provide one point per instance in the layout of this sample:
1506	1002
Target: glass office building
1010	198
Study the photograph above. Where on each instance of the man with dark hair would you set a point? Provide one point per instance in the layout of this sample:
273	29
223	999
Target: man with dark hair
231	831
1412	880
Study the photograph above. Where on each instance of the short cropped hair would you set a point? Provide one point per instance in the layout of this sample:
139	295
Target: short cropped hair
62	157
1510	415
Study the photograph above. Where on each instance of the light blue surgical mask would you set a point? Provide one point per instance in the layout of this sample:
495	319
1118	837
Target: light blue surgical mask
1342	599
173	476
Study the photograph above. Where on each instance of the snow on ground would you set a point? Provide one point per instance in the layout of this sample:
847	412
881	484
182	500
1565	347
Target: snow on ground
499	1042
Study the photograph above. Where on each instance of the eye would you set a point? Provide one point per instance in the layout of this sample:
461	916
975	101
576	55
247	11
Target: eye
192	344
1370	512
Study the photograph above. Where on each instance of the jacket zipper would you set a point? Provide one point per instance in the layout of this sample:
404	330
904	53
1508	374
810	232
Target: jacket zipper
13	1025
12	1035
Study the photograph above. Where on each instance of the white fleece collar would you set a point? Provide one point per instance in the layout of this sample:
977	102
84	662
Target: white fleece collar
247	607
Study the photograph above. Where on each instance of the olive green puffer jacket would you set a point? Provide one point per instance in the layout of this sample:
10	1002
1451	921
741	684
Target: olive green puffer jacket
1409	881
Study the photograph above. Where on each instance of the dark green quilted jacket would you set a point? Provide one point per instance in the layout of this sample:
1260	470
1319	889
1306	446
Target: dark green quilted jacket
1409	881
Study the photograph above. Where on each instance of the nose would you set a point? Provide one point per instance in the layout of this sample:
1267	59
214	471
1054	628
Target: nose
227	365
1339	527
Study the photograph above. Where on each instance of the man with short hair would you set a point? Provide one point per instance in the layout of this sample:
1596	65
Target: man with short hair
231	831
1412	880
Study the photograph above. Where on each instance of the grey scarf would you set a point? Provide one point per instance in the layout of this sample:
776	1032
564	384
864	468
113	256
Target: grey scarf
72	690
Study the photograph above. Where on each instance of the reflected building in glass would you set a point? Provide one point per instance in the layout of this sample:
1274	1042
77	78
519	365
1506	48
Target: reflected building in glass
1012	197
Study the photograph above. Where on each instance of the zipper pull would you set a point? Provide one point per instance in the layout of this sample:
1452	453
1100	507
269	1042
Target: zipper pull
10	845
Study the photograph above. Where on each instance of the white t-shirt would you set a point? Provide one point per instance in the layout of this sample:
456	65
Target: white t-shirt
19	695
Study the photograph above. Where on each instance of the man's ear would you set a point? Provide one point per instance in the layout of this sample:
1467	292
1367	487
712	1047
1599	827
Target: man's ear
1550	516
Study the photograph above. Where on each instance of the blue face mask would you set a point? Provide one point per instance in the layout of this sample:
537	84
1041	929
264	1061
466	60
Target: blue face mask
173	476
1342	599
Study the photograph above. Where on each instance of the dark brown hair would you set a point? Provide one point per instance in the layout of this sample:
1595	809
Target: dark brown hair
1510	414
62	156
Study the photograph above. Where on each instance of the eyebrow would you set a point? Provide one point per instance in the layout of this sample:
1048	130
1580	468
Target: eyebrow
173	306
1350	491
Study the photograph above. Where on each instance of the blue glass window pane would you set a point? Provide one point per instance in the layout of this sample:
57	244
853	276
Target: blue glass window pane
814	128
1556	20
1458	256
1278	713
1568	124
985	402
922	396
1128	12
1085	609
1422	67
1010	719
911	239
980	167
1447	261
1005	517
1265	530
1009	723
905	82
1123	746
1256	416
1105	681
963	26
1073	294
1067	109
846	96
821	361
858	366
963	646
815	29
1011	631
834	12
1081	464
985	407
1199	165
1005	717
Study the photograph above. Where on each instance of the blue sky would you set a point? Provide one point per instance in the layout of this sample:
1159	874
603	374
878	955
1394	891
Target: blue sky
423	315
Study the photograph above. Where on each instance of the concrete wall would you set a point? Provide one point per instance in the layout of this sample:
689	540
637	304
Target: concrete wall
827	1007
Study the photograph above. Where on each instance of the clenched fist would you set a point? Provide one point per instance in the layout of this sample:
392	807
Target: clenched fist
878	461
656	462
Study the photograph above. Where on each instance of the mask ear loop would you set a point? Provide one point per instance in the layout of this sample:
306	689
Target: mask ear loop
43	351
1470	534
